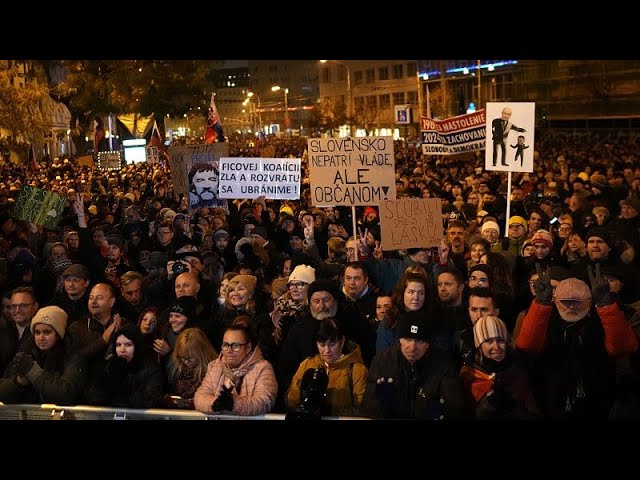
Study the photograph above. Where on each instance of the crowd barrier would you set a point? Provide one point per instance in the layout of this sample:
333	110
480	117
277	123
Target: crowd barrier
86	412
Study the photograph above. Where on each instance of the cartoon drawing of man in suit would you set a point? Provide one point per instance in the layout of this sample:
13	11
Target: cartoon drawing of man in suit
520	146
500	128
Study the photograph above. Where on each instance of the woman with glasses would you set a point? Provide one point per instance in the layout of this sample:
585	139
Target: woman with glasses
241	300
240	381
191	356
342	360
294	299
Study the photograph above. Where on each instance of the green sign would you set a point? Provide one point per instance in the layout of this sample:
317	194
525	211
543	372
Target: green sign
39	206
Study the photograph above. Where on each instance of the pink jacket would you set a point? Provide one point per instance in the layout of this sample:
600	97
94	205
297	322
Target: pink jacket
257	392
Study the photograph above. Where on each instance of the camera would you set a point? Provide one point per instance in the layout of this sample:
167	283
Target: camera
313	392
179	267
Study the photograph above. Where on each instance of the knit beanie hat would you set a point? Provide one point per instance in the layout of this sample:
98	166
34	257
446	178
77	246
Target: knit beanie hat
489	327
542	236
323	285
53	316
518	220
303	273
602	233
186	306
490	224
414	325
249	282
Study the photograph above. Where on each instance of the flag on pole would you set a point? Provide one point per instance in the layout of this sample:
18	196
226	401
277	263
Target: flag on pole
31	159
100	133
428	103
156	139
213	132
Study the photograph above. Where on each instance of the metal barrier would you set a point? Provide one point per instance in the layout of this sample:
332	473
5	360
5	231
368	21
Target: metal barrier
86	412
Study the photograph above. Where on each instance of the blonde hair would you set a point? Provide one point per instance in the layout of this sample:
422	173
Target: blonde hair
193	343
250	306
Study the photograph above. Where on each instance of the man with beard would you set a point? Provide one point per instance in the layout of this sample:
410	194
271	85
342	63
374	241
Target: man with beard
300	342
203	186
117	263
576	344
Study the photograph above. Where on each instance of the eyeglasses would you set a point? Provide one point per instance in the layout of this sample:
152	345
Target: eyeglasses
473	278
296	284
187	360
235	347
21	306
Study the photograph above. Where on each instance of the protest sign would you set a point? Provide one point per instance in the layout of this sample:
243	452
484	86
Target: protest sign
411	223
276	178
351	171
39	206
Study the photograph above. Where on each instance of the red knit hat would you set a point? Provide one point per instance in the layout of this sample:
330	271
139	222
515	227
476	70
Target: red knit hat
369	210
542	236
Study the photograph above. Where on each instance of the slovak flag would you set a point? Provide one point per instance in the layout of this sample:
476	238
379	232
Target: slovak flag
100	134
156	138
213	132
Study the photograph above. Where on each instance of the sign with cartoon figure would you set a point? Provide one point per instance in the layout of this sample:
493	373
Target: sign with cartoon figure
511	127
39	206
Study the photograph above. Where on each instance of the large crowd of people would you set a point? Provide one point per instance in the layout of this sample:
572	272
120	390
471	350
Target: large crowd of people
138	300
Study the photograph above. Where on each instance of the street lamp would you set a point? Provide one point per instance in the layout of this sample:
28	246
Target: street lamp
258	110
286	104
349	92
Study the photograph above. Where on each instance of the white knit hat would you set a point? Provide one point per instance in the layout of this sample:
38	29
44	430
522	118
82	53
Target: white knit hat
489	327
303	273
53	316
490	224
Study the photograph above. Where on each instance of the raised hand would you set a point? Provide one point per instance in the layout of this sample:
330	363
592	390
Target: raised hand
363	248
308	231
600	289
443	251
377	252
542	285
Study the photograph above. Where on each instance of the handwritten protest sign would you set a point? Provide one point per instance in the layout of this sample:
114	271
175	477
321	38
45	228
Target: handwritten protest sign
277	178
351	171
411	223
85	160
39	206
183	158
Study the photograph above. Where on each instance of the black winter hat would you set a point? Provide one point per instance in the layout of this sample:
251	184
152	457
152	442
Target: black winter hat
601	232
414	325
186	306
324	285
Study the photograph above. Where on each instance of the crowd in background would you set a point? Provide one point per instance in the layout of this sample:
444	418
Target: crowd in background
273	306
